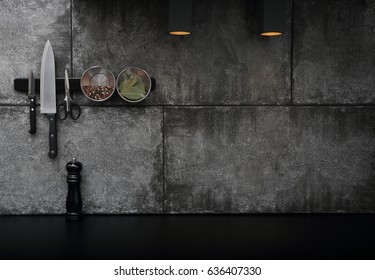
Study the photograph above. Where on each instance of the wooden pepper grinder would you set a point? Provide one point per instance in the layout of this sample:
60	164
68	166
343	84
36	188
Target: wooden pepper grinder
74	198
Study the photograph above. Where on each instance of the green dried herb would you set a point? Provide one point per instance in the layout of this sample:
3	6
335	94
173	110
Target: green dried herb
132	87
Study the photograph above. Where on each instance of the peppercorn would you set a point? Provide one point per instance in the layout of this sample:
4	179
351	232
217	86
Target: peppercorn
98	92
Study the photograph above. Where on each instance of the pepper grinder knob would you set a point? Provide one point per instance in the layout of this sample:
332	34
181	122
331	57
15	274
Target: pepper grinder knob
74	197
74	166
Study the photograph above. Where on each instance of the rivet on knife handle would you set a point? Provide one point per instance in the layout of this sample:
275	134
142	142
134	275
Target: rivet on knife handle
52	135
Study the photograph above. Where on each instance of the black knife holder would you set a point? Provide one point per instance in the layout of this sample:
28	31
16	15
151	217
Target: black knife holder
21	84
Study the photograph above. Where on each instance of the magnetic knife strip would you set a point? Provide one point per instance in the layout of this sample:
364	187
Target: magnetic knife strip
22	84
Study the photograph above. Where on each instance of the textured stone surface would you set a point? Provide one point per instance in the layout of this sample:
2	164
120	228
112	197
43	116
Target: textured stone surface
121	150
270	159
217	159
224	61
25	26
334	58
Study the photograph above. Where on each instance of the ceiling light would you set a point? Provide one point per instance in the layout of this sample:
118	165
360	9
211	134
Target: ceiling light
180	17
272	17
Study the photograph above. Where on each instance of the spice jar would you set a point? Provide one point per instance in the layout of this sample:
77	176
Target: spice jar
98	83
133	84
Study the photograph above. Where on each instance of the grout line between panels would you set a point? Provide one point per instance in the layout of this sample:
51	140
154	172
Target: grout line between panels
208	106
228	106
71	38
163	168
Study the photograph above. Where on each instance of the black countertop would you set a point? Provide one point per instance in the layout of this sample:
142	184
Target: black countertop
278	236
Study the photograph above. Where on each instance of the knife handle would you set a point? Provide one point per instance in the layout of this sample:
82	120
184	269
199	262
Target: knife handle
32	129
52	135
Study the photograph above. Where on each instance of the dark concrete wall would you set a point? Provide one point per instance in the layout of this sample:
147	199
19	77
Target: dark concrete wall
238	124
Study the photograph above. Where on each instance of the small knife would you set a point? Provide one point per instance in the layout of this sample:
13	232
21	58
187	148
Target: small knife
31	96
48	95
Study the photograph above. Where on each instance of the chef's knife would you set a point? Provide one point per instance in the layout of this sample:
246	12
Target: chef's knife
31	96
48	96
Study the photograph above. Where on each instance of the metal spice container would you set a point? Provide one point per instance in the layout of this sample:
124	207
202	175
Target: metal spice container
136	79
98	83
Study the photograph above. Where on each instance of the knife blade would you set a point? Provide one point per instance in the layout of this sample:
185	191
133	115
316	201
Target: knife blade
48	95
31	96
